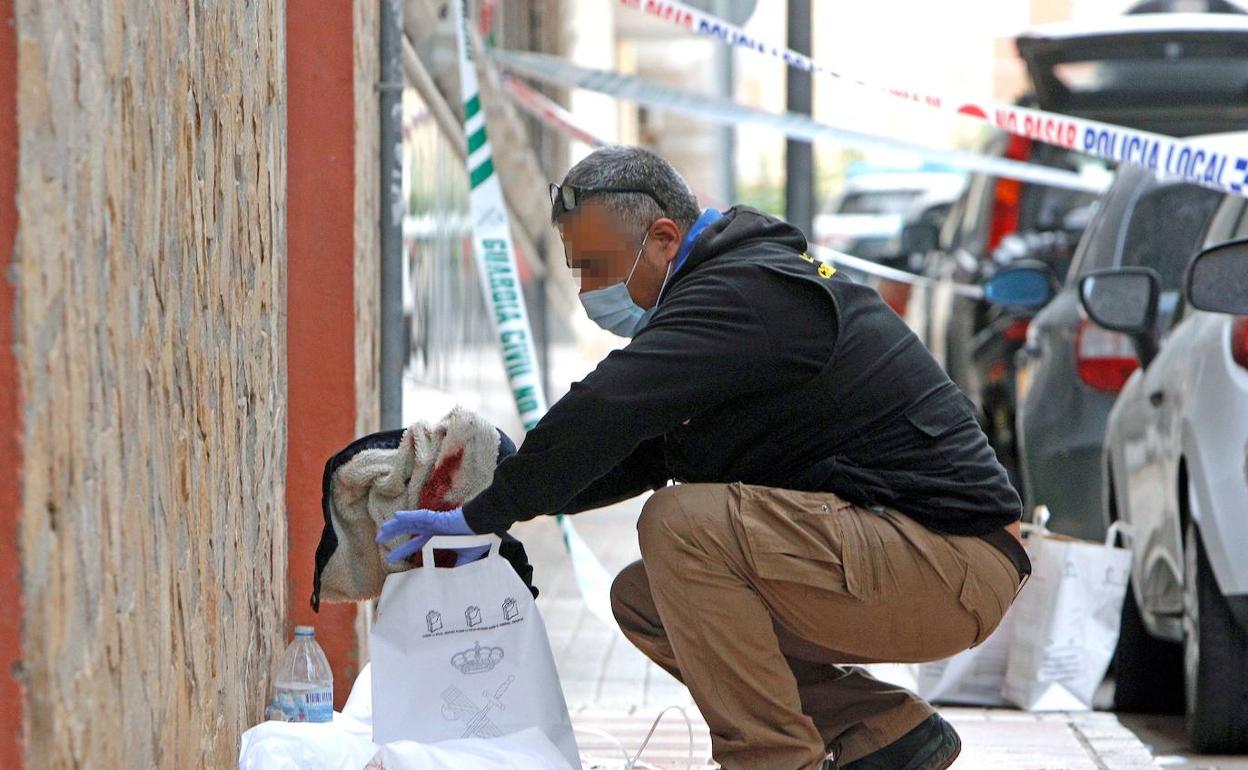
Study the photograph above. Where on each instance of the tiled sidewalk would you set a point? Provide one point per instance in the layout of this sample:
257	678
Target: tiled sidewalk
992	739
614	693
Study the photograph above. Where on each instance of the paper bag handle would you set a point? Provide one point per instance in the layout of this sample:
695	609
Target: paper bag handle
459	541
1119	528
1040	516
1039	525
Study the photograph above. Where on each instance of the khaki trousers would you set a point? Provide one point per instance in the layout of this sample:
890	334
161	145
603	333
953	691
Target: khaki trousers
752	596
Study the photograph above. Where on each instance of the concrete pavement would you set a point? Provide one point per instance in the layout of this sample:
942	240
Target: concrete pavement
1165	738
615	694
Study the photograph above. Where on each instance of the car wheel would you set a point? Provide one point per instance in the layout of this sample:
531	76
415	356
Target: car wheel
1148	672
1215	659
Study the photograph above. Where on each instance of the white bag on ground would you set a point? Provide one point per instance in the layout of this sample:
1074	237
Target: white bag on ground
904	675
1066	623
463	653
359	705
526	750
974	677
342	744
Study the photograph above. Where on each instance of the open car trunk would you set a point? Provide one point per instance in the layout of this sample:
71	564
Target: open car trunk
1173	73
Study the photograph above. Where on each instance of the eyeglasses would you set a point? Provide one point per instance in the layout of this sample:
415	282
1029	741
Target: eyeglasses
567	196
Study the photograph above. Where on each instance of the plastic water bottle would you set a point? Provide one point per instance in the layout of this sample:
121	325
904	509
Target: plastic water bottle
303	686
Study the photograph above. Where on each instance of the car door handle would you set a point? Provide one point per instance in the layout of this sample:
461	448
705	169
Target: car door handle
1157	397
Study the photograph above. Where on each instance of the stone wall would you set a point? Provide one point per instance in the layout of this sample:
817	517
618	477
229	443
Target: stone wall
150	272
367	217
367	67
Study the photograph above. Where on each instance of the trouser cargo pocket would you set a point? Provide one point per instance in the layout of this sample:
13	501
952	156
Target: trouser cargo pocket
810	538
984	603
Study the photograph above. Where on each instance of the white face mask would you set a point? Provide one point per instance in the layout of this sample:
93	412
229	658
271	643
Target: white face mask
613	308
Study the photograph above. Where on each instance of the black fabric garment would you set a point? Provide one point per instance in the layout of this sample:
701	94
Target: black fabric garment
761	366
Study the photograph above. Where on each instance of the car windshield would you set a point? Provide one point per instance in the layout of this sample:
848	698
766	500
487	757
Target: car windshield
879	202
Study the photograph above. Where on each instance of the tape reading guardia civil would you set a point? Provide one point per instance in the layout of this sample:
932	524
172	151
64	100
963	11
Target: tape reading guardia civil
492	248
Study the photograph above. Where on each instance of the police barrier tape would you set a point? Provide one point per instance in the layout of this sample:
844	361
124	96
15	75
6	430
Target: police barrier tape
555	117
491	242
1189	161
548	111
824	254
559	119
558	71
500	281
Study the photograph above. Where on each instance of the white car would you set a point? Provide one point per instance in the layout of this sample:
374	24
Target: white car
865	220
1176	460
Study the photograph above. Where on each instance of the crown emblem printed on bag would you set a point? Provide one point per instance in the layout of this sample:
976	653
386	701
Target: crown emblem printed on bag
478	660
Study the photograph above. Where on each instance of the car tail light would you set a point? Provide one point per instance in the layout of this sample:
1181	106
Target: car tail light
996	372
1007	196
1239	341
1104	359
1017	330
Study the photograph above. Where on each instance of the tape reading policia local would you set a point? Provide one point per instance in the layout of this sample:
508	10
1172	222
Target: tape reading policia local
558	71
496	265
1182	159
491	243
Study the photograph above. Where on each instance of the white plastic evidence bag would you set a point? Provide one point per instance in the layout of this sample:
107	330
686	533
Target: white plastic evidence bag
462	652
1054	645
1066	621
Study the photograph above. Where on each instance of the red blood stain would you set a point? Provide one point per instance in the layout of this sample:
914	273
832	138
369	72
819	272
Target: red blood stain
433	497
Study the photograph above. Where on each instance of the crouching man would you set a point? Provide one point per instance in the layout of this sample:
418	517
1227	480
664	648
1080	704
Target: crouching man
837	504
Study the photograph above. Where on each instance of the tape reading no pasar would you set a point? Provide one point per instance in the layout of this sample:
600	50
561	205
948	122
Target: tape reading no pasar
1189	161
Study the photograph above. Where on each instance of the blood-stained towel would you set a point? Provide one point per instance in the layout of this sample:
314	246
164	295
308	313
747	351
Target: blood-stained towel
436	467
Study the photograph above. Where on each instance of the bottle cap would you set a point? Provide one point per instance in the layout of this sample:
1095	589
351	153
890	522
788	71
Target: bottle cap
305	631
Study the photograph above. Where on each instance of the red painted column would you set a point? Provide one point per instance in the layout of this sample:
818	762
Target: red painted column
11	691
320	297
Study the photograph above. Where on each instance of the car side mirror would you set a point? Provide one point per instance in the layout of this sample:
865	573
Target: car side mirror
919	238
1021	286
1217	279
1124	300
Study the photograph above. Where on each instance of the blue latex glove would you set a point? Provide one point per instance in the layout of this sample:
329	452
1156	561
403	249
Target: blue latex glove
423	526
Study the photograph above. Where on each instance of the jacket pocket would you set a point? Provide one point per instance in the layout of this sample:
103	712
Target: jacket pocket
810	538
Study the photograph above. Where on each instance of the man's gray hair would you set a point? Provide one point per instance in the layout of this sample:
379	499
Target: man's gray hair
634	168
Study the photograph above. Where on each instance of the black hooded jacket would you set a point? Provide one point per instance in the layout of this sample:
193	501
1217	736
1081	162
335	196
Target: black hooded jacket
762	366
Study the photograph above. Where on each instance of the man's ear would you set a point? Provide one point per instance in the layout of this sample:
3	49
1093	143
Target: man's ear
667	235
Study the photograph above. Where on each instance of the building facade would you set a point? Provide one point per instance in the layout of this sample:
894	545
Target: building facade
188	291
